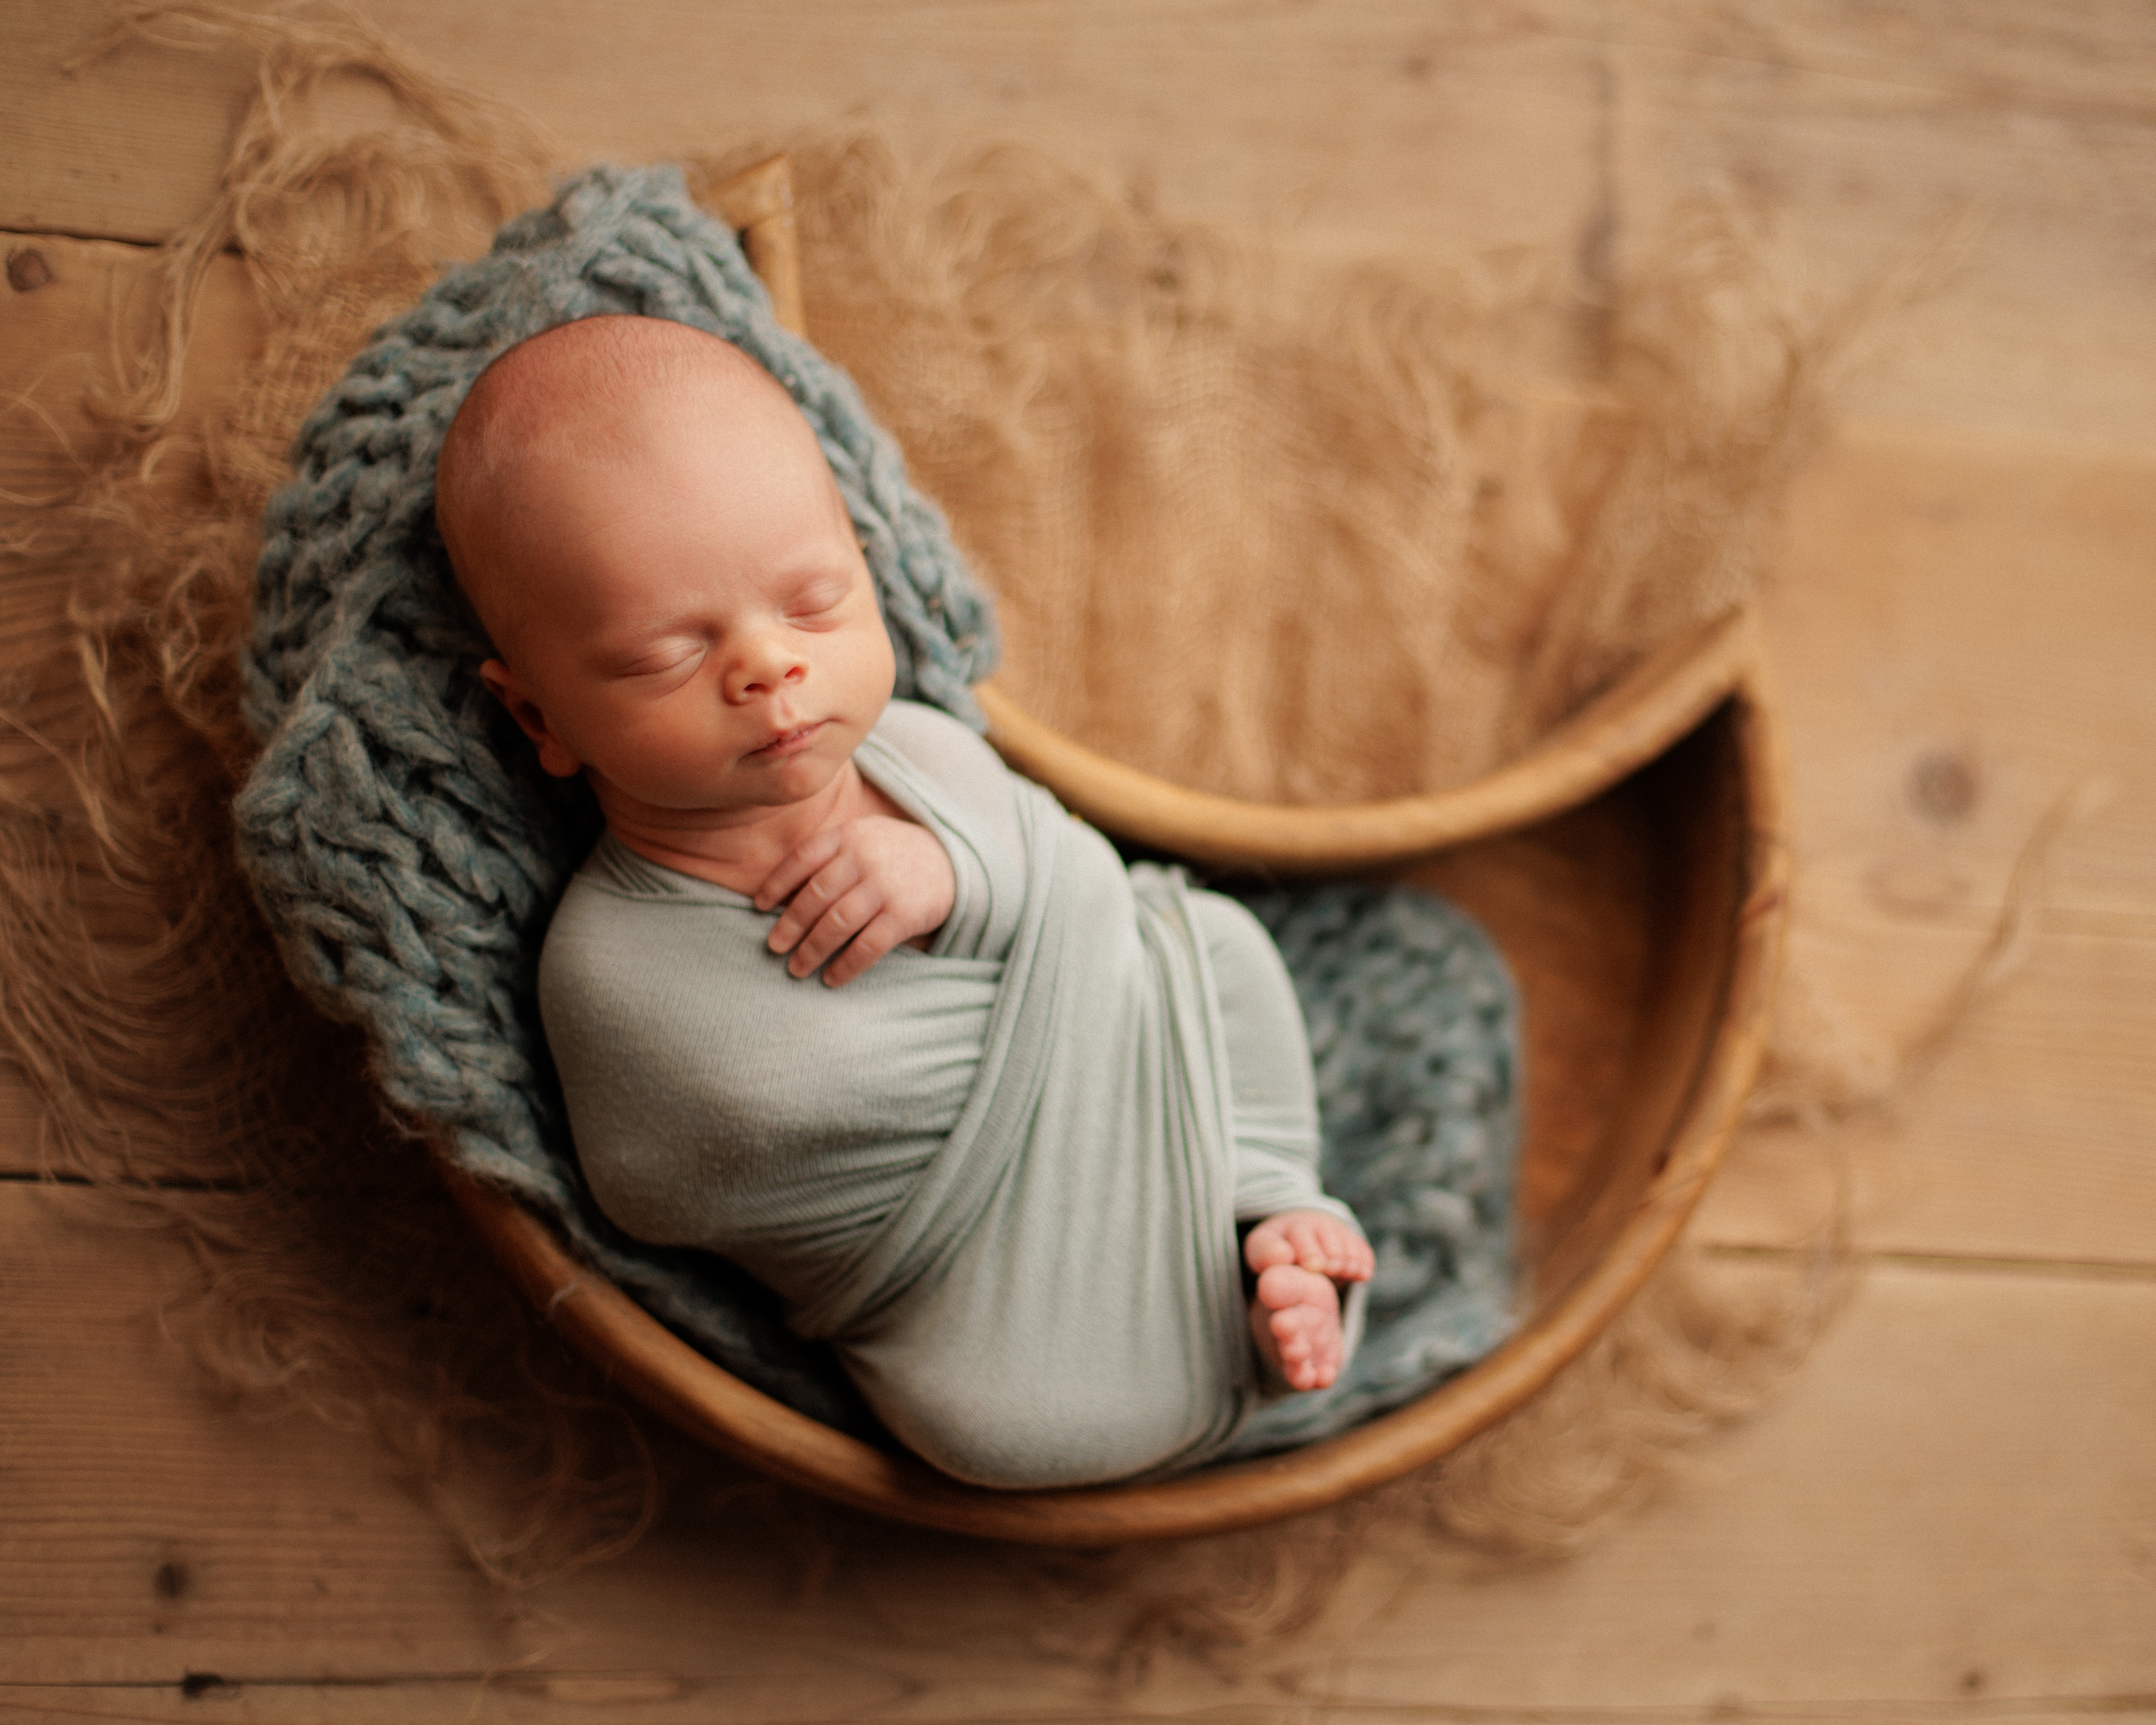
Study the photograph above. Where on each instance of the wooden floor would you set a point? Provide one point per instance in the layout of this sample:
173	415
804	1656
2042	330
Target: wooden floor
1951	1512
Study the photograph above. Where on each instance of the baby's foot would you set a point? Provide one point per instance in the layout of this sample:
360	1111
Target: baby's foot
1315	1241
1300	1256
1295	1318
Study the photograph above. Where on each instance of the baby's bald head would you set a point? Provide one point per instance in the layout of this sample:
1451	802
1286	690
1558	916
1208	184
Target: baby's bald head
680	610
579	397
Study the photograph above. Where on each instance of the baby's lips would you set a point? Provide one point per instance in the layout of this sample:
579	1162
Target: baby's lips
792	734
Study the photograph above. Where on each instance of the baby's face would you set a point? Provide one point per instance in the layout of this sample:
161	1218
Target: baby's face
697	629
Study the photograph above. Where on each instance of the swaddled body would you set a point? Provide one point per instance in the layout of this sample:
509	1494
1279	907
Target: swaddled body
1010	1201
999	1152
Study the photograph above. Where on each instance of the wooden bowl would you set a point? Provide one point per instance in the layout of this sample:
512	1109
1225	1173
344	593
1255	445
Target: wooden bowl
1631	868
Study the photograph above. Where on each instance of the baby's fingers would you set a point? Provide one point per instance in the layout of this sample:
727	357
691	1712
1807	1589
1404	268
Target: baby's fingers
811	902
804	861
838	924
884	931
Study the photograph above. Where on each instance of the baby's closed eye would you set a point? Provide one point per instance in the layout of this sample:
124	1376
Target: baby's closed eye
661	657
818	601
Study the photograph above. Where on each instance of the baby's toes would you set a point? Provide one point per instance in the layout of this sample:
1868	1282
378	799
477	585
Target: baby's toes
1309	1342
1324	1244
1303	1322
1267	1246
1295	1346
1312	1245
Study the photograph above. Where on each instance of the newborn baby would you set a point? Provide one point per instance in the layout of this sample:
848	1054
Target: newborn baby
839	996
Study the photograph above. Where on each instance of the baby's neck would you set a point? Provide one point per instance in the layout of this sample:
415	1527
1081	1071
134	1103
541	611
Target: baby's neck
739	851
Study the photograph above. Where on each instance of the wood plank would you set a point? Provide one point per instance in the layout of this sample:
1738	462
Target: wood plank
2030	1139
1980	609
2036	149
1572	128
1961	630
540	1702
1953	1508
1290	101
86	302
2080	58
151	1532
1948	1516
1824	1559
22	1120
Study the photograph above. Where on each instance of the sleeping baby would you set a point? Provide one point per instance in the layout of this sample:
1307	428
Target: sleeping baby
1027	1134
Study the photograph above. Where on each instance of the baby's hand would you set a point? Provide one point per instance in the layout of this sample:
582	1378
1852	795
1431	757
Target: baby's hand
864	887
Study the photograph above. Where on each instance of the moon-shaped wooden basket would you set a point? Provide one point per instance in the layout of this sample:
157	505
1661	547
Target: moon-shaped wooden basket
1631	868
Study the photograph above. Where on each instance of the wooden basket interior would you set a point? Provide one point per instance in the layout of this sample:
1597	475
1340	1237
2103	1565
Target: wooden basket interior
1618	919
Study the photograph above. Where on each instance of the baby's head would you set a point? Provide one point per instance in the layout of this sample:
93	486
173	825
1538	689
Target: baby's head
649	530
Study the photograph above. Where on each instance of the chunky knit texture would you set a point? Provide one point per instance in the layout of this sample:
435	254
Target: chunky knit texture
1415	1039
408	852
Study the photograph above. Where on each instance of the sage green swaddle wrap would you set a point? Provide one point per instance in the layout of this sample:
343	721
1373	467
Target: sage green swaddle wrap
1002	1175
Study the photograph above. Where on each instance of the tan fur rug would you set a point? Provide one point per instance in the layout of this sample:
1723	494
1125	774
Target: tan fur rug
1404	565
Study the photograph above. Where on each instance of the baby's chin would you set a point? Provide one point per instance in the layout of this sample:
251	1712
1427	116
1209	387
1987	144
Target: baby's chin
752	786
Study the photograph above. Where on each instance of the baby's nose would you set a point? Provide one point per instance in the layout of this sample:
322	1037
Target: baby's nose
764	664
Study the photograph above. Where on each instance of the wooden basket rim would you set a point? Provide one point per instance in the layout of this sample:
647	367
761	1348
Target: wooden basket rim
1660	700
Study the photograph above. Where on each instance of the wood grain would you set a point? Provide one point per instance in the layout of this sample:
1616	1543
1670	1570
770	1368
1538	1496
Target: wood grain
1913	1512
1571	127
1983	605
150	1531
1946	1518
1961	634
1953	1508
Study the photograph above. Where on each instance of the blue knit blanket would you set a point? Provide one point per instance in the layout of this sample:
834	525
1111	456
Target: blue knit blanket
408	852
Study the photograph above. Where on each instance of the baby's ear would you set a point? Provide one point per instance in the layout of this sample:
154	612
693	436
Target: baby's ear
555	755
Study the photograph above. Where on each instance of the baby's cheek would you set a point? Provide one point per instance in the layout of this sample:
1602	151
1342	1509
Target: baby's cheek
662	763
